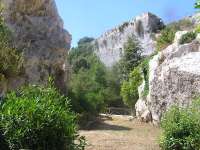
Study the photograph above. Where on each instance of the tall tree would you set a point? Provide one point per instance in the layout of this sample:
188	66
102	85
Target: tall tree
131	56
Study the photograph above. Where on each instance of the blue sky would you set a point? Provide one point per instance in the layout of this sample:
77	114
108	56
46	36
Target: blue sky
93	17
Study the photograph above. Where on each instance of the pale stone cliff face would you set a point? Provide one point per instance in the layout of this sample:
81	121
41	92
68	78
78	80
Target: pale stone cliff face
38	32
174	79
110	44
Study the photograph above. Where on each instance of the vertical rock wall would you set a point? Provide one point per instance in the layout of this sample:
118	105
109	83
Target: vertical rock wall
174	79
38	33
110	44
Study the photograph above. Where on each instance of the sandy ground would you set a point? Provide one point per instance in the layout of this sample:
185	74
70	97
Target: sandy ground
119	133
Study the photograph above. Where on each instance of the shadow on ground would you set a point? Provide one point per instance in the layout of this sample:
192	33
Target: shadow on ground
106	126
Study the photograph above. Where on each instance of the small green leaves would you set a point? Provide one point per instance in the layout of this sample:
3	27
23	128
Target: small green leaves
36	117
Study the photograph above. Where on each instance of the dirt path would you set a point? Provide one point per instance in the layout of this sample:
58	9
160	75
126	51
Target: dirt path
122	134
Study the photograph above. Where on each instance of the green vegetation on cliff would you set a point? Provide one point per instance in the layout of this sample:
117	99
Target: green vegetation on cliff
10	59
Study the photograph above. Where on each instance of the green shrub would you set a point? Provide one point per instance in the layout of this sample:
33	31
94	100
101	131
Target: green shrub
129	89
197	29
181	128
197	4
166	38
92	86
188	37
38	118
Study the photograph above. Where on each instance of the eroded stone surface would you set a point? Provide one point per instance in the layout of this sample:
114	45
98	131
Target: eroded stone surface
39	34
174	78
110	44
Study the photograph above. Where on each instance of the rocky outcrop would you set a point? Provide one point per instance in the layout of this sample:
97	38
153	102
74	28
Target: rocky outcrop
142	110
39	34
110	44
174	79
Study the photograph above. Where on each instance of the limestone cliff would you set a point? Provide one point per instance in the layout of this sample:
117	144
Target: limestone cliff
110	44
174	79
39	34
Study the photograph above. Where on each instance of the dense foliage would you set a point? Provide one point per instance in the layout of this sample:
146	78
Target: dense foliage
197	4
131	72
10	59
114	78
92	85
38	118
129	88
188	37
197	29
131	56
181	128
166	38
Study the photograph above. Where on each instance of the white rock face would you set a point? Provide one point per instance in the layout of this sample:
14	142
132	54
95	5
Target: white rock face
195	19
110	44
141	106
39	33
174	78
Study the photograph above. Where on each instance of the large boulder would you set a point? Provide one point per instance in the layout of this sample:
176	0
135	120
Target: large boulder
174	78
109	46
39	34
142	110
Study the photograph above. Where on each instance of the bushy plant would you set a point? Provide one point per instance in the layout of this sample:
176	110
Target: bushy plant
113	86
92	85
181	128
87	93
197	29
129	89
197	4
188	37
38	118
166	38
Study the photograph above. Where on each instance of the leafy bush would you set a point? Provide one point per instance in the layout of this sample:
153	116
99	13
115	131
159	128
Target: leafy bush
87	92
181	128
166	38
10	59
188	37
129	89
113	86
38	118
197	29
197	4
92	85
